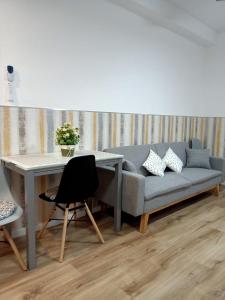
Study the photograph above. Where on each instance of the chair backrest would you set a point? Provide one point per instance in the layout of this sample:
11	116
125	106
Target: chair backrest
79	180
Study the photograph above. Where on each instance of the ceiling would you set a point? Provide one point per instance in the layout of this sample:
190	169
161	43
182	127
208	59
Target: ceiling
210	12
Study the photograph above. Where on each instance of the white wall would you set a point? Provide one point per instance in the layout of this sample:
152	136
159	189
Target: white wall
215	77
94	55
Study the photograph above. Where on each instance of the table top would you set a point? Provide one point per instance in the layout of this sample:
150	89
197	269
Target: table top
38	161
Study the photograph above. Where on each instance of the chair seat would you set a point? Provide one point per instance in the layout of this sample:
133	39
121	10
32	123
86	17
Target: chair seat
50	194
13	217
7	208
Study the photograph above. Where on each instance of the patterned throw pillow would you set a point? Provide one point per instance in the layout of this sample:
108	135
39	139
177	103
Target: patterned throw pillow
7	208
172	161
154	164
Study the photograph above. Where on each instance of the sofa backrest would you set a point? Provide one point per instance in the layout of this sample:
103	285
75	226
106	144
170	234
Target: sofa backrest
178	147
139	153
135	153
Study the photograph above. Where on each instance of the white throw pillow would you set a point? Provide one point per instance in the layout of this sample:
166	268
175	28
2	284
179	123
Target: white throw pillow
154	164
172	161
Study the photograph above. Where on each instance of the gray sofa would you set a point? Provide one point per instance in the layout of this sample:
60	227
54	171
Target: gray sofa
143	193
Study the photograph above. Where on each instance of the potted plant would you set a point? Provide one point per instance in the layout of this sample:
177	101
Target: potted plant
67	137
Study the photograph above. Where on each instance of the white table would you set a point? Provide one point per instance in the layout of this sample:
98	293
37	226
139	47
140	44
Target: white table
33	165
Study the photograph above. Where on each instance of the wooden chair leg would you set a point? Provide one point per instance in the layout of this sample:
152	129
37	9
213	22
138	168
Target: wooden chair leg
14	248
42	231
94	223
64	235
144	223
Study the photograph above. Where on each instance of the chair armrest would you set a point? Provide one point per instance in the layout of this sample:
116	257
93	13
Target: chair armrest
218	163
133	187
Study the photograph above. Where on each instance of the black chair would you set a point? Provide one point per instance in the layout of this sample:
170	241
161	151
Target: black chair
78	183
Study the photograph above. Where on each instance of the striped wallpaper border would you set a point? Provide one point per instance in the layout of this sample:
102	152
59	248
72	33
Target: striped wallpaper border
32	130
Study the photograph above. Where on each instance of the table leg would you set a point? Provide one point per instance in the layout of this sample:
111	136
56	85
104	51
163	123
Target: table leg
117	197
30	220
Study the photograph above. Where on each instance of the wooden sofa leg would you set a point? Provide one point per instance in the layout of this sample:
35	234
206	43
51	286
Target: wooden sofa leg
217	190
144	223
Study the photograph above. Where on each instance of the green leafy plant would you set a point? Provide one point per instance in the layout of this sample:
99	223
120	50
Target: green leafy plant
67	135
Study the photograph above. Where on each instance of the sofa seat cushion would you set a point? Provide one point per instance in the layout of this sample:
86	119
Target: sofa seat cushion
156	186
198	175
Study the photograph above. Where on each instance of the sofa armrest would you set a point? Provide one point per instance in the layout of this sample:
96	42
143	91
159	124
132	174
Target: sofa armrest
218	163
133	187
133	190
106	169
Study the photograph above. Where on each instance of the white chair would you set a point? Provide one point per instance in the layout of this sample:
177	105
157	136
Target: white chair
16	215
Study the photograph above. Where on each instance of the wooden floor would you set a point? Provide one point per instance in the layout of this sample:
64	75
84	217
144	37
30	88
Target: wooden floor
183	257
